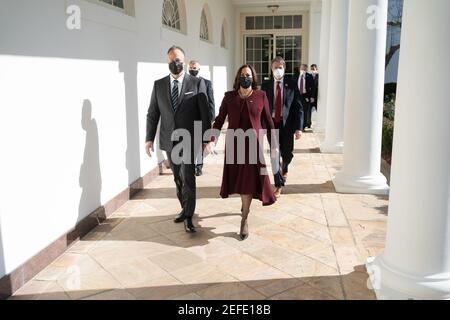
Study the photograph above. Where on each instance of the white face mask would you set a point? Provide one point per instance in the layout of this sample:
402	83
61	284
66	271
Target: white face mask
278	73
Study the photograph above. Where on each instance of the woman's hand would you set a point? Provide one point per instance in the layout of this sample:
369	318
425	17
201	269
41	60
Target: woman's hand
209	148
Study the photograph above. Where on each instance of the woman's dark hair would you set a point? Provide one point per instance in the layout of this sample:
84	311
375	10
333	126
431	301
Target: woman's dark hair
237	83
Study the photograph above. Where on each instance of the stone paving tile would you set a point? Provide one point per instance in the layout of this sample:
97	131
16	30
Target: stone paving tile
312	244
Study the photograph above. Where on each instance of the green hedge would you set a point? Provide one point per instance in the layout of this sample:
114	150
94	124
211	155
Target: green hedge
388	127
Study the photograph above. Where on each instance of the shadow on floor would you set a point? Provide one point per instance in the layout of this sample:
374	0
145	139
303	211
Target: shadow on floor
352	286
162	230
307	151
214	192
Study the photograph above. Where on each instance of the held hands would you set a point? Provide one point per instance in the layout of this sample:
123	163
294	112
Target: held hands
209	148
298	135
149	148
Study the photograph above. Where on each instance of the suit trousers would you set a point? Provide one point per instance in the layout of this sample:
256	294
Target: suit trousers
286	144
307	111
185	181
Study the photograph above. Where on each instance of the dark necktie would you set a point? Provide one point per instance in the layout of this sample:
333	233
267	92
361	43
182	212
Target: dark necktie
278	103
175	95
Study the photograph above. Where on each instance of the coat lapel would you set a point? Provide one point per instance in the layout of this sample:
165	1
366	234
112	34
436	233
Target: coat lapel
184	88
288	97
271	96
168	91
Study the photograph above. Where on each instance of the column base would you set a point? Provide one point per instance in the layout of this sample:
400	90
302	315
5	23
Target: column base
332	147
391	284
318	129
376	184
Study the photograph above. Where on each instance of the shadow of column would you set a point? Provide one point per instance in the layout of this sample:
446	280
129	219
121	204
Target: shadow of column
90	179
132	155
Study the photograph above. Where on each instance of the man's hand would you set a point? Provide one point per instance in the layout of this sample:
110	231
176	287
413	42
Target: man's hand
149	148
298	135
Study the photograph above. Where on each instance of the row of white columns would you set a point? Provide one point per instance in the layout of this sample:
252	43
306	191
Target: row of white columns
416	262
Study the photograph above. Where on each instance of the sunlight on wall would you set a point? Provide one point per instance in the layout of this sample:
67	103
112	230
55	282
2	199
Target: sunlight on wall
220	81
50	145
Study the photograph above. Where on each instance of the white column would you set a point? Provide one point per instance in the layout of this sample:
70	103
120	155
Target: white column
314	32
319	127
334	131
364	99
416	261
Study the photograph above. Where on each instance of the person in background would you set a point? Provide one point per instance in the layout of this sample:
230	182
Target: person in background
194	70
305	83
248	111
287	113
315	95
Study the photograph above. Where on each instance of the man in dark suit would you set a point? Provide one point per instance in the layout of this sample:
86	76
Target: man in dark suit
287	112
315	95
194	70
305	84
179	101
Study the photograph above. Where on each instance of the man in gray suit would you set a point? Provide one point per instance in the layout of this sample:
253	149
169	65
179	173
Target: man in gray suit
179	101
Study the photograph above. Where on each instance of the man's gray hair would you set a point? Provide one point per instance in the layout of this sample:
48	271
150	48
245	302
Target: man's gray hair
279	60
193	62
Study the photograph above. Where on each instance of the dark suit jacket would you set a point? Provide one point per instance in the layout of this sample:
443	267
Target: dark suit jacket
193	106
310	85
210	94
292	106
316	86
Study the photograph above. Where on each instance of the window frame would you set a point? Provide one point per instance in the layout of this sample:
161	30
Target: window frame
206	12
128	6
182	14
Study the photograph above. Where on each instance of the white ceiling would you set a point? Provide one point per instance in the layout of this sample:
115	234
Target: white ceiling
259	3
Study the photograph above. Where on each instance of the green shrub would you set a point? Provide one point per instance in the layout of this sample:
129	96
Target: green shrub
389	107
388	136
388	127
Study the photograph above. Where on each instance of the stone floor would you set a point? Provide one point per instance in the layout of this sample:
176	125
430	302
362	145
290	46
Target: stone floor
312	244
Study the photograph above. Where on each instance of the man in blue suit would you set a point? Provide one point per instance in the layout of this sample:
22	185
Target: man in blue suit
287	112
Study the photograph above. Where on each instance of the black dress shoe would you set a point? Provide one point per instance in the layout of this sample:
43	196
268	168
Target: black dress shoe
198	171
180	218
189	226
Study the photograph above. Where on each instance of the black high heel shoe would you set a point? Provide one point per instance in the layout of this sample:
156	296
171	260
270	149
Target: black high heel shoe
244	227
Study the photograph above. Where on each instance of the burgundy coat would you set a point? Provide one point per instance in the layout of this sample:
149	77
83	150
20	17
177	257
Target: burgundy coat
260	117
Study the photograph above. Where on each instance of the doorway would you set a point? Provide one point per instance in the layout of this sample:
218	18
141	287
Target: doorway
261	49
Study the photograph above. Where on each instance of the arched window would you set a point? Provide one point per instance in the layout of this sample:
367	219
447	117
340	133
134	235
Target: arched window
224	35
173	15
205	25
204	29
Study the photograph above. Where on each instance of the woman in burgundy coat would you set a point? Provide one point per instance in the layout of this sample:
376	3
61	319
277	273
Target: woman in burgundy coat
245	172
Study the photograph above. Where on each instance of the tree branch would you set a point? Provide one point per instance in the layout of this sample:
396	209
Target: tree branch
391	53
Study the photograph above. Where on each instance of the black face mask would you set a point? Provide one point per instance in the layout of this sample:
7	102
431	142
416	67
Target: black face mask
245	82
194	73
176	67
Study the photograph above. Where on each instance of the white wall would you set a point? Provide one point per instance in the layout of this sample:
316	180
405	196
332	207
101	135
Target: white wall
51	77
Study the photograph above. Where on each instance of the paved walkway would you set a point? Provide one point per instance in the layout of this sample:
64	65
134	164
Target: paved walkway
312	244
